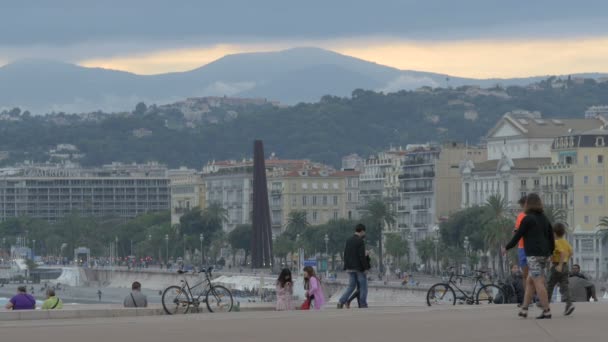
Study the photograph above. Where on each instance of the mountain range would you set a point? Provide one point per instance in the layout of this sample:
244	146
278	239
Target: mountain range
289	76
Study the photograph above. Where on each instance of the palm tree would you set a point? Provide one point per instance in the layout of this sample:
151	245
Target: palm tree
603	224
296	223
215	215
379	214
555	214
498	227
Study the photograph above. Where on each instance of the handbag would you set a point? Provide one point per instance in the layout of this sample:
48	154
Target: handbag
306	304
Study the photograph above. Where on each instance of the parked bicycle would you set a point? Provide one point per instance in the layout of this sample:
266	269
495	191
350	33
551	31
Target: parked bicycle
182	298
482	293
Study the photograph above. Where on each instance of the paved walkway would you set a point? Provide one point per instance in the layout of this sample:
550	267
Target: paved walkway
461	323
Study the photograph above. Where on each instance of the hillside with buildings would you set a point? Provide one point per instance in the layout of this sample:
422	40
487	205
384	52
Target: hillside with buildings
196	131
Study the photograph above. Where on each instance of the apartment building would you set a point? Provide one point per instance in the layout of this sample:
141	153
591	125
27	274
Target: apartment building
517	146
52	191
575	181
187	192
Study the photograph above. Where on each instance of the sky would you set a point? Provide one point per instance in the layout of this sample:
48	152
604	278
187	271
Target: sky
469	38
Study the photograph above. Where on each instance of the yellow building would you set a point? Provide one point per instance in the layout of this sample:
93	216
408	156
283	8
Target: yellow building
187	192
319	192
575	182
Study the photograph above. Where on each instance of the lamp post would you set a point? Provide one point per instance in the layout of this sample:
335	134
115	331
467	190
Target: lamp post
466	251
300	259
202	238
326	256
116	250
167	249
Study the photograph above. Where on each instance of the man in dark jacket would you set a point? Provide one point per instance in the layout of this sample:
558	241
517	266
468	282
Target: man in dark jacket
356	264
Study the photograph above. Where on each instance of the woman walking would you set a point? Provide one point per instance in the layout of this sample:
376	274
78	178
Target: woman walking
539	244
312	285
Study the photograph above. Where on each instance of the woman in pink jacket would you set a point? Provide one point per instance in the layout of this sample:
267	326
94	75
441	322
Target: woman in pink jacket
313	288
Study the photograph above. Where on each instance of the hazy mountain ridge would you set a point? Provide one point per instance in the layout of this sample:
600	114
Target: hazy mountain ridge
289	76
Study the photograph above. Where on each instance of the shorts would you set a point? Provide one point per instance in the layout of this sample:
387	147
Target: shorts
537	266
521	257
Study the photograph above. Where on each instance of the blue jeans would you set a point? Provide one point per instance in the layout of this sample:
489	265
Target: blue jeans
354	278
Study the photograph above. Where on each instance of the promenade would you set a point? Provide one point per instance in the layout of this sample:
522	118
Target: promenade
460	323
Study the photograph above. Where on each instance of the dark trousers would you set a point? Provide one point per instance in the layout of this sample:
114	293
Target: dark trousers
560	278
354	296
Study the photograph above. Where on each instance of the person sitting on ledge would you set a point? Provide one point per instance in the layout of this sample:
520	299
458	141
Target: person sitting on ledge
52	302
136	299
22	300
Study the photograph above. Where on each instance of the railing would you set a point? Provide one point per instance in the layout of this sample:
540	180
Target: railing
421	207
422	189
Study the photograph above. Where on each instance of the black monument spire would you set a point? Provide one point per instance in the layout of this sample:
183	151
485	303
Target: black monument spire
261	239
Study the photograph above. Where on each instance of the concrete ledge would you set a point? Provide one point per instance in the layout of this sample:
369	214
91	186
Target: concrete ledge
104	311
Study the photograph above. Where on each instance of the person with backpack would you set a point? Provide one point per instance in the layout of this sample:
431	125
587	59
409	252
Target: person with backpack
52	302
136	299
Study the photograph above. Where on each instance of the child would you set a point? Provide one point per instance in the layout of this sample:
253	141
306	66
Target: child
284	291
312	285
559	270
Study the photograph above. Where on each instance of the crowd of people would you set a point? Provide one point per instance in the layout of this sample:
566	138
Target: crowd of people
543	247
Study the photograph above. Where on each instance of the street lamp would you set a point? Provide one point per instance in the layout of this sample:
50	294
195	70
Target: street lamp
466	250
326	256
202	238
300	259
167	249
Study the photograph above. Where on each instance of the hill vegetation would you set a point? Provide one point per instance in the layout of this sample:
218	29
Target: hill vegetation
323	131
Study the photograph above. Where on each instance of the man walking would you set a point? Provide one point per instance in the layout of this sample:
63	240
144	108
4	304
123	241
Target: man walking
356	264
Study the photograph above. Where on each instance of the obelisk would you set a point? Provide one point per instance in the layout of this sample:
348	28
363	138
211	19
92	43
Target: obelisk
261	239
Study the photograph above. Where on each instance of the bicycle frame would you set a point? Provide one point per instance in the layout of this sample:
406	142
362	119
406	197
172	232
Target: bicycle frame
478	285
206	283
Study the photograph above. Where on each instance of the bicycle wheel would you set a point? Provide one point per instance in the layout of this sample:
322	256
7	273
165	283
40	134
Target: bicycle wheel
219	299
441	294
176	300
490	294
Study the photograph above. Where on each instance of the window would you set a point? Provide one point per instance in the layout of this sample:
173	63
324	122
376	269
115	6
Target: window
304	201
523	194
600	200
600	179
586	219
336	214
294	202
304	186
586	160
315	186
599	141
335	186
350	196
314	200
569	160
523	183
315	215
324	200
350	215
600	159
586	179
536	182
325	186
586	200
293	187
335	200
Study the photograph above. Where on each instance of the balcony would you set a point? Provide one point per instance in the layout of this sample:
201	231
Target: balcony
419	224
418	189
421	207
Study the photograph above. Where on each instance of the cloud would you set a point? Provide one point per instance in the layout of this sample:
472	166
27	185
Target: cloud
406	82
73	22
